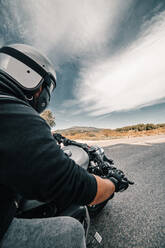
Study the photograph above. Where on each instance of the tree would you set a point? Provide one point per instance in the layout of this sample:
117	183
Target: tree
48	116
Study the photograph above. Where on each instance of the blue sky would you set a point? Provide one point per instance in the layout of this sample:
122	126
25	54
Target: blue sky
109	56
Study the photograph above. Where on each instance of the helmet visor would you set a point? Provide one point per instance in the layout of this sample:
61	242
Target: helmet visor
26	77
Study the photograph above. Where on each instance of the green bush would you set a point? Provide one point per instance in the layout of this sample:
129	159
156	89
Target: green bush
150	126
140	127
91	135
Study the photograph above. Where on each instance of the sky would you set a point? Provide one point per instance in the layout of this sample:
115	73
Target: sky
109	56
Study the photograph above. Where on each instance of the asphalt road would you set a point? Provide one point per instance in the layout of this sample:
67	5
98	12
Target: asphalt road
136	217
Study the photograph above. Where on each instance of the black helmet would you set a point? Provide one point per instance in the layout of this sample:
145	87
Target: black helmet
29	70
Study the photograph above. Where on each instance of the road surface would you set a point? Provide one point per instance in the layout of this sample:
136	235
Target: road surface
136	217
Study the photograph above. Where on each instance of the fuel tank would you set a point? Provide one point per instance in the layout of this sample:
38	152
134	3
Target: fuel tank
78	155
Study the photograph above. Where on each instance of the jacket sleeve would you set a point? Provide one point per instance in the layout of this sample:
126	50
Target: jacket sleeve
42	171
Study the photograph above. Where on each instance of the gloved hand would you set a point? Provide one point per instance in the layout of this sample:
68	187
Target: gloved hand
60	139
119	179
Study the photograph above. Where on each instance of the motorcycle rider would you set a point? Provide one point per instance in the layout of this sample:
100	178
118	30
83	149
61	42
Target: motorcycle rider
32	164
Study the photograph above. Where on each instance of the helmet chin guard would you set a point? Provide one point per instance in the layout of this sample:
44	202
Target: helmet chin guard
42	101
30	70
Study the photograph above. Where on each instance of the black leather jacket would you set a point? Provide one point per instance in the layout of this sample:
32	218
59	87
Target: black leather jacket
32	164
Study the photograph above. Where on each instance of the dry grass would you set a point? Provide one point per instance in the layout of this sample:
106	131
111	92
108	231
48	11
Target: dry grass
106	134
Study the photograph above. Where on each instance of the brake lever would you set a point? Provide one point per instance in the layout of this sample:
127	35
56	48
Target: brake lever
128	181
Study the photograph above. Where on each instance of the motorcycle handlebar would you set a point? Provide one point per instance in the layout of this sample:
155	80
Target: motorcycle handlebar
66	142
96	150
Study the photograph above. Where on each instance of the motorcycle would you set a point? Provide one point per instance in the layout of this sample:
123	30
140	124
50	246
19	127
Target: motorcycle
92	159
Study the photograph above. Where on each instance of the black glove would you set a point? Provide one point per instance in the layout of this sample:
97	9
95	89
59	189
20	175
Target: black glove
119	179
58	137
61	139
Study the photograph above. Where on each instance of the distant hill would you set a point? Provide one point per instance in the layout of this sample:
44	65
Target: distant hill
79	129
92	133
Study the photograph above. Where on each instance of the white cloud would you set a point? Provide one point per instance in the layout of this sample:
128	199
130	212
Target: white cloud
75	27
132	79
1	41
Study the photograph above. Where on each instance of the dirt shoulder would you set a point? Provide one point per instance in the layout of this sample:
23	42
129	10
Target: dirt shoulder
145	140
